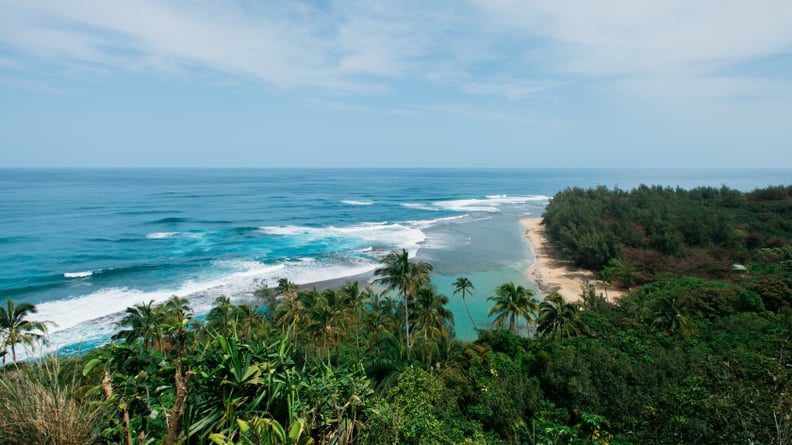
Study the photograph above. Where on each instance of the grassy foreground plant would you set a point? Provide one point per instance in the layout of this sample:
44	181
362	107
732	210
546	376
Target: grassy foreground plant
42	404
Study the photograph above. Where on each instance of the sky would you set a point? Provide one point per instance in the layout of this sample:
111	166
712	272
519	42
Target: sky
465	83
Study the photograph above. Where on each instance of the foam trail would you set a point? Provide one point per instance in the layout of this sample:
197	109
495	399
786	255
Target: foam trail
84	274
416	206
492	203
378	235
161	235
426	223
355	202
489	204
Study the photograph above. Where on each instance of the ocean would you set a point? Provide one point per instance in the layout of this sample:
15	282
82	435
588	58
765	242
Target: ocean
85	244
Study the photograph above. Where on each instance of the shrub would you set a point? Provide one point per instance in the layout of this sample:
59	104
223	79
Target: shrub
41	404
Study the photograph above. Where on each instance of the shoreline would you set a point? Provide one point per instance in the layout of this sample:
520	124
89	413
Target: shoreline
551	274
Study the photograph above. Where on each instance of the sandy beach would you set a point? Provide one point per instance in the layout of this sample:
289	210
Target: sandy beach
552	274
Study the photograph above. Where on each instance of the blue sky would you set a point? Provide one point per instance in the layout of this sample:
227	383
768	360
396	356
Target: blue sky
476	83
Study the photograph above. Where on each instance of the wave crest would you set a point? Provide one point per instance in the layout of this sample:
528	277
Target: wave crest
488	204
161	235
84	274
355	202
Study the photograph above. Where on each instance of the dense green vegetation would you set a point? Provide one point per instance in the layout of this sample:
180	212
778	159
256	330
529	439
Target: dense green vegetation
696	353
655	230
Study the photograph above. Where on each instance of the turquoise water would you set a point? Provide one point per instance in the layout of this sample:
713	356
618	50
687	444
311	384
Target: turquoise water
85	244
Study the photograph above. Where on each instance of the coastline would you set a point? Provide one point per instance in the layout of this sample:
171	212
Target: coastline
551	274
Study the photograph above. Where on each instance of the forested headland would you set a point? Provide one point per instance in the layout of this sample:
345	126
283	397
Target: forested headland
697	351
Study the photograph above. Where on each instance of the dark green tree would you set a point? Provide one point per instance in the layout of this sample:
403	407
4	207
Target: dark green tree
16	328
557	318
433	322
462	285
143	321
513	302
672	314
398	272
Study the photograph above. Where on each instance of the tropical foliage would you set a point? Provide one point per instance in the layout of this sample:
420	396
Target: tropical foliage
15	328
692	353
464	286
560	318
513	302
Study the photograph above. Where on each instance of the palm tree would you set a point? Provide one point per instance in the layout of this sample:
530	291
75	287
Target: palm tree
559	318
399	273
289	314
250	321
512	302
285	287
671	314
221	317
16	329
177	312
141	321
463	285
328	322
355	301
380	322
433	323
432	318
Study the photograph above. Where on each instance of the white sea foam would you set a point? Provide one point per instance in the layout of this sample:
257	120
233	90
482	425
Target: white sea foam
489	204
382	235
426	223
417	206
355	202
287	230
442	240
84	274
92	317
161	235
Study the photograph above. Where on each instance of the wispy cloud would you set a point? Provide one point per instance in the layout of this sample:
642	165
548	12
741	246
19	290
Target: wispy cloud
10	63
336	105
342	46
477	113
511	49
654	42
512	89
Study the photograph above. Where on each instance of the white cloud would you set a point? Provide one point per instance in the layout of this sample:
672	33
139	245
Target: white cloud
654	42
357	45
512	89
516	47
291	47
616	36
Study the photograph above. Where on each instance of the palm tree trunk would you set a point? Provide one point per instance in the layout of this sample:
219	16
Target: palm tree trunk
467	309
182	384
13	352
511	323
125	422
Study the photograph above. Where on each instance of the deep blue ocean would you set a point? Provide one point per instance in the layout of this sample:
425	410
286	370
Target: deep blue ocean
84	244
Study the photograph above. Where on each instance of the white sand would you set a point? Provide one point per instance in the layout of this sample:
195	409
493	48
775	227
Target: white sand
553	275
